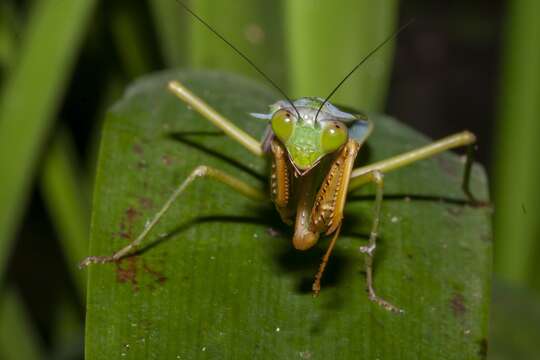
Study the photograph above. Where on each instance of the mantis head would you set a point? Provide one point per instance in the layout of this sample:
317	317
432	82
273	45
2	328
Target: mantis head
309	137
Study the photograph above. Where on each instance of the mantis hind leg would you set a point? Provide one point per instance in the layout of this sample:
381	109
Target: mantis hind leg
199	172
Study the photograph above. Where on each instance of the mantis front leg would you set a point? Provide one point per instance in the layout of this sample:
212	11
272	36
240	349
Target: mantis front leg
222	123
360	176
199	172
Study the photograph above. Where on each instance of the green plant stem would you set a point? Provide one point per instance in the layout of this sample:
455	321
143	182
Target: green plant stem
257	31
129	38
320	55
517	169
170	22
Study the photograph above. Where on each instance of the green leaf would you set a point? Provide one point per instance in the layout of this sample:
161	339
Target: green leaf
219	278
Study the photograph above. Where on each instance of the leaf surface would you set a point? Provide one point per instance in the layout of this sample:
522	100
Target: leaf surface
219	279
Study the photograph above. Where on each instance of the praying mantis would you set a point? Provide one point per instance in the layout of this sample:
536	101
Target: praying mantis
312	146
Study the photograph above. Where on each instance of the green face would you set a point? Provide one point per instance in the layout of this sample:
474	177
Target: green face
306	140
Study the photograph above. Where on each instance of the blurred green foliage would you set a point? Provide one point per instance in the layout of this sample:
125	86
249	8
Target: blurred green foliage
61	55
517	170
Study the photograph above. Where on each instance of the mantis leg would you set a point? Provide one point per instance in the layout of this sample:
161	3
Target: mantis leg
374	173
199	172
316	287
327	212
464	138
376	177
231	130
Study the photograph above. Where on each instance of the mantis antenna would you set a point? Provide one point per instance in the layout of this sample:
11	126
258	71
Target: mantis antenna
248	60
366	58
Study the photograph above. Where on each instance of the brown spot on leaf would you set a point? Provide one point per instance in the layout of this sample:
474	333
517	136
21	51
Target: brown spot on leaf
146	202
138	149
166	159
157	275
126	224
126	272
141	164
128	269
457	304
131	214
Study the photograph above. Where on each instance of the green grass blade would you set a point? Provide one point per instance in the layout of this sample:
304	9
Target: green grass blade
30	99
517	170
170	21
257	31
219	278
130	38
18	337
68	331
8	42
68	204
326	39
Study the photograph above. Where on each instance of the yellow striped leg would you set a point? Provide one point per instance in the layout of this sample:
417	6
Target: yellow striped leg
464	138
224	124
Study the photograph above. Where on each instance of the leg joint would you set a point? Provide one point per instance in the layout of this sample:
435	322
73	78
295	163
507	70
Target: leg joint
378	177
201	170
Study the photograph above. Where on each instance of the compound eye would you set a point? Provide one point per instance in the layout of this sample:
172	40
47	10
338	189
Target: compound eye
283	123
334	135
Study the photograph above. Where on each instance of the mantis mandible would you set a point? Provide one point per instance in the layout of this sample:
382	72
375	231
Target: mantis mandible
313	146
